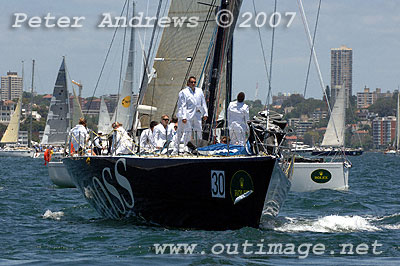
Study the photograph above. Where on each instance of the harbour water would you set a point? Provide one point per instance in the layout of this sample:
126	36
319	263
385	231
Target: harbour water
42	224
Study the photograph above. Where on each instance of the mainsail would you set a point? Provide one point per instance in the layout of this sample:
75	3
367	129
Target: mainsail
58	119
104	124
11	134
334	135
182	52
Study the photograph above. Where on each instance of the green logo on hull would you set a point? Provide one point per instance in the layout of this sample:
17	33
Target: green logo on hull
241	183
321	176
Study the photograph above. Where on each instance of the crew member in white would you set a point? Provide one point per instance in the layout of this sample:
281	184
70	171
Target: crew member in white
238	115
163	132
192	109
79	137
147	143
122	143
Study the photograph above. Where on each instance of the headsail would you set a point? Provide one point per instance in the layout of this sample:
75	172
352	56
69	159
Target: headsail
11	134
334	135
182	53
58	119
77	110
104	125
124	110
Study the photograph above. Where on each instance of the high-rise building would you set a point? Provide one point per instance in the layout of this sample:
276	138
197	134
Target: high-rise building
383	131
341	72
11	86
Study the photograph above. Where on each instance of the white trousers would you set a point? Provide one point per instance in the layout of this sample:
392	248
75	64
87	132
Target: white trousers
184	132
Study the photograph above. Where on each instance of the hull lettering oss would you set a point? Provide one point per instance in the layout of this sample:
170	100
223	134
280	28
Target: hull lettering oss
102	189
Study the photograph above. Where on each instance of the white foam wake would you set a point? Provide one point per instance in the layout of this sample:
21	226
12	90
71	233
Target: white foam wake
391	226
53	215
329	224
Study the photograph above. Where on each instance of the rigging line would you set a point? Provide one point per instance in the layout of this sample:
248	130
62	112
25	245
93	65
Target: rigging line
271	58
199	41
312	47
262	46
121	66
105	59
321	81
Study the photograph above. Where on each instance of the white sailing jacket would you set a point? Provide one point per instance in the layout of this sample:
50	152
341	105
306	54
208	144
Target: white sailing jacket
161	134
147	142
79	136
238	115
190	103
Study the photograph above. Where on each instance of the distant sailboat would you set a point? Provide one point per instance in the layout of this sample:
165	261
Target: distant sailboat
104	125
11	134
58	118
313	174
10	137
58	125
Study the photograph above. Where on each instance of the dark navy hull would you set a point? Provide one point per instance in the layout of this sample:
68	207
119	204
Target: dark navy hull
176	192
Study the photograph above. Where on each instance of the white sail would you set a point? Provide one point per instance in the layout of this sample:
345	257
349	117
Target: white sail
175	59
77	110
124	109
11	134
334	134
104	124
58	118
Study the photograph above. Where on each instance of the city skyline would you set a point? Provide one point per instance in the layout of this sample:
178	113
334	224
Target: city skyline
364	26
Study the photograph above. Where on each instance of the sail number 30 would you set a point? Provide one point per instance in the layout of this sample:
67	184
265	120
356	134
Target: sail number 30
218	184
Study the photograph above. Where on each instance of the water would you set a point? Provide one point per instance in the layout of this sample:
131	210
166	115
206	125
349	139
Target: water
42	224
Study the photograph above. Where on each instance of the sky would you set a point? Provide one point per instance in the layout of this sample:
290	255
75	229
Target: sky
370	28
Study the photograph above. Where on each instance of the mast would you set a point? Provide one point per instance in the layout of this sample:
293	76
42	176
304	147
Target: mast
223	47
229	70
30	106
216	68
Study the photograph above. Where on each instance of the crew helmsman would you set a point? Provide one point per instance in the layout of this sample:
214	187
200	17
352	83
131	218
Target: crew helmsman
192	108
238	115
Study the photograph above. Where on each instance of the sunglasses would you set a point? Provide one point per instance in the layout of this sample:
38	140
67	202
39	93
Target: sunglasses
193	82
165	119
